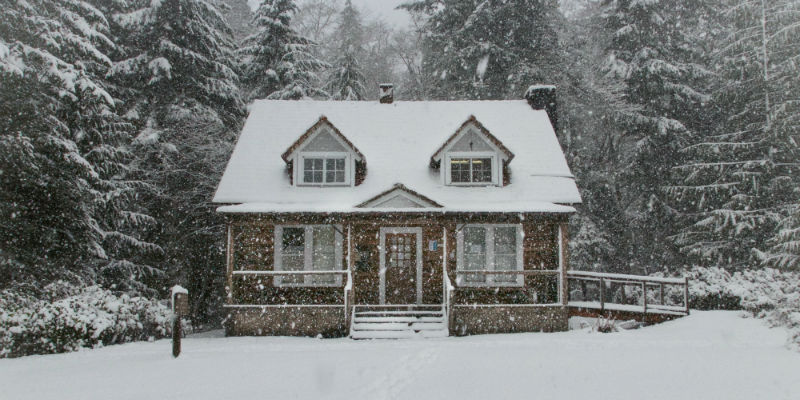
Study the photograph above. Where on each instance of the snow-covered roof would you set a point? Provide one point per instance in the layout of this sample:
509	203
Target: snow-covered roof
397	141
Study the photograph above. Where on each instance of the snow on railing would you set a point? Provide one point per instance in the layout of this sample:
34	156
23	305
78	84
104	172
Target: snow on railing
643	283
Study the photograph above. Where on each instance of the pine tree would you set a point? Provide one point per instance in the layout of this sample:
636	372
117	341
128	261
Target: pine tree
178	74
741	178
489	49
347	81
654	53
66	203
276	62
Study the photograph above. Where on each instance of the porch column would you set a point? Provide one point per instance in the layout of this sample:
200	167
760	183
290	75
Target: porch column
563	261
229	265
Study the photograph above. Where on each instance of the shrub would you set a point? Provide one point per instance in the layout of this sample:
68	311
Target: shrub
66	319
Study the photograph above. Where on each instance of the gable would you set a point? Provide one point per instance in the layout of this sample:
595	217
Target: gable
471	141
399	196
324	141
329	133
474	133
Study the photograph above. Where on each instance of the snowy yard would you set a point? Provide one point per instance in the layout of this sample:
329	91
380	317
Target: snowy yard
708	355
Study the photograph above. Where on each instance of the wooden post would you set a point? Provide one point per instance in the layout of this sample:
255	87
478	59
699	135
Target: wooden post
180	308
229	266
644	298
686	293
563	261
602	295
661	291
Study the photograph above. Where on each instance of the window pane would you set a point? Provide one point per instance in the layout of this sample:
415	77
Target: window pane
505	240
481	170
334	170
292	259
324	253
312	170
459	170
474	253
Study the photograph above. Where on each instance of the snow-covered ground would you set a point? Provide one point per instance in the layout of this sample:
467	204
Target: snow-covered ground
708	355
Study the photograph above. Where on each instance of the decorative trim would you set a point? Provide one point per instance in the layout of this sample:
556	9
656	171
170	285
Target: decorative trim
382	252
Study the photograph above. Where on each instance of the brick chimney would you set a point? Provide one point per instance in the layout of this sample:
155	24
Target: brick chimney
386	93
543	97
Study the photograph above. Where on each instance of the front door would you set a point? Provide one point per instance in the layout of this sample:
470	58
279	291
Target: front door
400	260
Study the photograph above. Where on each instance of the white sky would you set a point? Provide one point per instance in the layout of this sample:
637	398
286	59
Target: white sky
385	9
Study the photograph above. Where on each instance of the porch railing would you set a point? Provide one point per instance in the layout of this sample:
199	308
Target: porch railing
447	287
347	287
643	287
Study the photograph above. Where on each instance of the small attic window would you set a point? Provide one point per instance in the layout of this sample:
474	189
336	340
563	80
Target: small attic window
471	169
325	169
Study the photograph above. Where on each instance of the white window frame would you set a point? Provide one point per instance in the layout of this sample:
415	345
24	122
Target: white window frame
490	264
308	256
472	154
324	155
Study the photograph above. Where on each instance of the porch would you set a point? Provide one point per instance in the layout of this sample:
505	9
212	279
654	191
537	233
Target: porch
410	277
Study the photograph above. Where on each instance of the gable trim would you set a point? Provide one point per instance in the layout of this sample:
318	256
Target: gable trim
423	201
460	131
312	132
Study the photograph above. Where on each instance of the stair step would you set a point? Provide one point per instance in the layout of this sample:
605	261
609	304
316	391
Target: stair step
397	334
419	326
380	313
396	319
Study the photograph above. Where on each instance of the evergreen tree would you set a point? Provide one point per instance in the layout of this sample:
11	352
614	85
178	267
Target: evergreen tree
489	49
347	81
741	179
655	54
66	206
178	73
276	62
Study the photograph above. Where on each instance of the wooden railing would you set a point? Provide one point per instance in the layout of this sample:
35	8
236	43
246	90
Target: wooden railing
644	283
347	287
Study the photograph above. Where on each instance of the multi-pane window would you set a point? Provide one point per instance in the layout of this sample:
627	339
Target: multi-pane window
322	170
489	248
308	248
471	170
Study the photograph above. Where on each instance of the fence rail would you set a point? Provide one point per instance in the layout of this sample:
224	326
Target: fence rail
644	287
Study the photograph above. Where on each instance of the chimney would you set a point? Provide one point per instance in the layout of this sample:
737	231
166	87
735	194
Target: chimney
386	93
543	97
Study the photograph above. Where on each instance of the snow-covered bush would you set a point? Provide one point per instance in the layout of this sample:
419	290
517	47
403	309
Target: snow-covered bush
69	319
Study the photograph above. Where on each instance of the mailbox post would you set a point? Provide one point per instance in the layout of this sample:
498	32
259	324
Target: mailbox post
180	308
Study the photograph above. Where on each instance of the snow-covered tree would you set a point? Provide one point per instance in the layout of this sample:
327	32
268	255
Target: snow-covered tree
346	81
276	62
741	178
179	79
489	49
67	206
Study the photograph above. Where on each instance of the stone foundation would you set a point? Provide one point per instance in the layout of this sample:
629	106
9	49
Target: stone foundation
469	320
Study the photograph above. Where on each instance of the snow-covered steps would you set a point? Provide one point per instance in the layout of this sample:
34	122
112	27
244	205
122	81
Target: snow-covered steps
398	323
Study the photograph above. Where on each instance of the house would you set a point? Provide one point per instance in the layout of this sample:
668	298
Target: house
393	218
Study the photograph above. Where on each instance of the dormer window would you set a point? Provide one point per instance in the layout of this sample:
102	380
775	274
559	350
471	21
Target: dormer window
471	170
325	169
472	156
322	156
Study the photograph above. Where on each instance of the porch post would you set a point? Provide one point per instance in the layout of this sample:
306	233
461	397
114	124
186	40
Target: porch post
563	263
229	265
